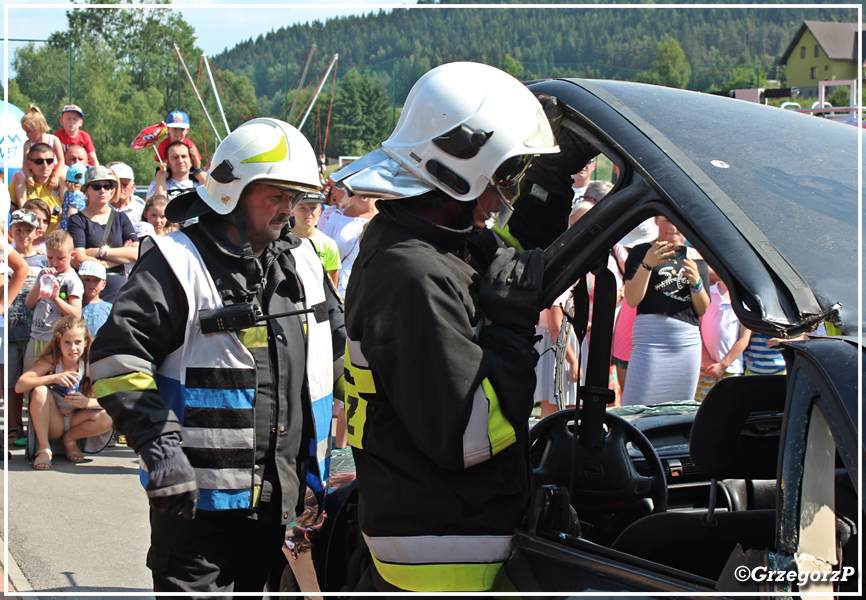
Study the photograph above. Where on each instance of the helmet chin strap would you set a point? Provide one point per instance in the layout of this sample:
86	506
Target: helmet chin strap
253	270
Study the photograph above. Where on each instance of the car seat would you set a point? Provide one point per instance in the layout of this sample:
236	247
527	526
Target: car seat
701	543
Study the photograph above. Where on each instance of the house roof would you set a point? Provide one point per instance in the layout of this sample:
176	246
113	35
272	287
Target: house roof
838	40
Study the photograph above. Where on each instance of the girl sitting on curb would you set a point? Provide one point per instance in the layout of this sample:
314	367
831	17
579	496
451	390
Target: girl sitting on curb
61	402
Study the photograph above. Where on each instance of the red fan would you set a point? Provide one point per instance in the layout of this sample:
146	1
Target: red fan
149	136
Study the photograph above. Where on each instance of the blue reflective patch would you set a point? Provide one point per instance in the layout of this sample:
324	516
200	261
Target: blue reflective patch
171	393
322	410
223	499
201	398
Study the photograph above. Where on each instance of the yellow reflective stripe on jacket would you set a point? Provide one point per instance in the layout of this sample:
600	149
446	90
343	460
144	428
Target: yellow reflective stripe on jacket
488	431
449	577
506	236
130	382
499	430
832	329
359	382
254	337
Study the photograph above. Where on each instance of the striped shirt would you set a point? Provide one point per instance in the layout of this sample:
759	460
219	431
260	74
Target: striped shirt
761	359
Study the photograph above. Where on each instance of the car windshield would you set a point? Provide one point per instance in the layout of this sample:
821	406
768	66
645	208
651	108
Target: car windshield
799	186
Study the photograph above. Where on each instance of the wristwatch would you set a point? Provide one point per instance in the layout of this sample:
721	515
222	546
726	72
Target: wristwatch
645	266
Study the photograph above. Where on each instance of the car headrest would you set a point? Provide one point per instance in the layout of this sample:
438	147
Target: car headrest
719	446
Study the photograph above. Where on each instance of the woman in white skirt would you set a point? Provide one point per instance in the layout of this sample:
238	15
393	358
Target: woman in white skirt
667	287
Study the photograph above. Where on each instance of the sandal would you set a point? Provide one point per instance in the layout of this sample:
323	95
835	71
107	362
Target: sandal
42	464
73	453
17	437
14	434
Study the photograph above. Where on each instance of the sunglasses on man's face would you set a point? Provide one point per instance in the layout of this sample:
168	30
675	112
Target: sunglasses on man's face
103	186
39	161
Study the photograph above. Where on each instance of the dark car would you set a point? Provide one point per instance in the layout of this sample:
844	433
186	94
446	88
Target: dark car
757	488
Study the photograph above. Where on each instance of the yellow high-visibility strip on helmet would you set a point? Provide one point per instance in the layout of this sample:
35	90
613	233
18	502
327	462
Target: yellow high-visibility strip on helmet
447	577
130	382
278	153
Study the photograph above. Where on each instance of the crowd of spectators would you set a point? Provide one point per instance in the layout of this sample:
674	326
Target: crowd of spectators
75	225
675	328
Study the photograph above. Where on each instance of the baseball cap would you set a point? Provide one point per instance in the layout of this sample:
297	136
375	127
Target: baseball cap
92	268
123	171
26	217
644	233
143	228
76	173
310	199
73	108
98	173
177	119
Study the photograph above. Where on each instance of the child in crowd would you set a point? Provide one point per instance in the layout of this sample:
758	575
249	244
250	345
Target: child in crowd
24	229
57	294
74	199
177	123
306	215
72	118
154	213
36	128
43	215
763	359
724	340
62	403
94	309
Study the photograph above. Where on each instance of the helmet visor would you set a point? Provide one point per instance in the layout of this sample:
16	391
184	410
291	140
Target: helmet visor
543	136
512	170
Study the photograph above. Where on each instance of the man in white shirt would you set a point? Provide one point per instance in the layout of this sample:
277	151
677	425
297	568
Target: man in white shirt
581	180
127	202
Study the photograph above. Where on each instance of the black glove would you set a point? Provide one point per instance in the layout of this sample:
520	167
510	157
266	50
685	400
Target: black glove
541	212
511	286
171	484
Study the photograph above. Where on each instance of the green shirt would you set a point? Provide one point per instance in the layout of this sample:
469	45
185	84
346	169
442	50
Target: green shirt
327	250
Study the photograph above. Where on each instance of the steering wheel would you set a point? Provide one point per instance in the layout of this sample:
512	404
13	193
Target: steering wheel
603	479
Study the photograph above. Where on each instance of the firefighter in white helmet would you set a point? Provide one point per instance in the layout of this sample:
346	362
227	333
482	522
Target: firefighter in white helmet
226	338
439	367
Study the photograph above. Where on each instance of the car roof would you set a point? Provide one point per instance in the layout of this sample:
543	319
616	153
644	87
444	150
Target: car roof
787	182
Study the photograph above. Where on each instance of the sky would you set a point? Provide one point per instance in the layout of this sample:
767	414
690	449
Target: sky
216	30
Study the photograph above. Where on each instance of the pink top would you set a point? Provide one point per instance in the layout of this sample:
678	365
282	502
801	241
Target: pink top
622	332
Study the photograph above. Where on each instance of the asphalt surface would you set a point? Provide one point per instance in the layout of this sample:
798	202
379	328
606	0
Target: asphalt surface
78	528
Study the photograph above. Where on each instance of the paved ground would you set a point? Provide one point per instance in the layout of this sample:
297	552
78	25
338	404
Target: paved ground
78	528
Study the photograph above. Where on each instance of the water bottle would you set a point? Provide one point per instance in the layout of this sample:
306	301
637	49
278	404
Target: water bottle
46	285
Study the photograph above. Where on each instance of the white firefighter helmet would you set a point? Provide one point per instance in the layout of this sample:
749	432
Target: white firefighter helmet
464	126
266	150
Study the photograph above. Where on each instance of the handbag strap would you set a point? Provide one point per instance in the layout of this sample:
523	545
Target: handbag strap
108	225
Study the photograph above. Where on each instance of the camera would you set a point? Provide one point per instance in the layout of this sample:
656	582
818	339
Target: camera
679	253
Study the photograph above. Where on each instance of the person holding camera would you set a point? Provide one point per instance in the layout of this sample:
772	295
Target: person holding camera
668	289
226	338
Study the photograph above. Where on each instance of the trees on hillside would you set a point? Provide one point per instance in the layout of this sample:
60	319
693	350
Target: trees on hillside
362	113
669	68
